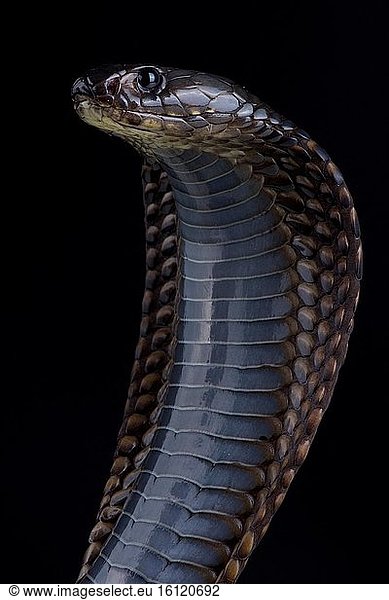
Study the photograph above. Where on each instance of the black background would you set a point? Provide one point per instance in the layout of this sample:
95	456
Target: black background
72	272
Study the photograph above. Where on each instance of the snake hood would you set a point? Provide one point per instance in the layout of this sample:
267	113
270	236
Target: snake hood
155	107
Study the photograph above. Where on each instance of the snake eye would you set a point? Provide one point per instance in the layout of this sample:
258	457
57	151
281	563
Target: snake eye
149	80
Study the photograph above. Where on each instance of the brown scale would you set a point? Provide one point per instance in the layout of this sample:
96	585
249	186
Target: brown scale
329	294
151	356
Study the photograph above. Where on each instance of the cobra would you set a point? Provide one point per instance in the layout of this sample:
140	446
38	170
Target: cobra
253	266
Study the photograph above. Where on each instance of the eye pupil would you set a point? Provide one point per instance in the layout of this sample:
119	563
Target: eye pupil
149	79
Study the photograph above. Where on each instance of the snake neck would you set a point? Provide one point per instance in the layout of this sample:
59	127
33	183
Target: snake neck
233	286
215	200
224	213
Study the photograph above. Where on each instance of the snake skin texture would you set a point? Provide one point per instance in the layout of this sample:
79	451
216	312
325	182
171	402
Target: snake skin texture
253	266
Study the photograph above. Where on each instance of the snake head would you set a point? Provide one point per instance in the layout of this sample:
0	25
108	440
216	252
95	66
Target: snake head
155	108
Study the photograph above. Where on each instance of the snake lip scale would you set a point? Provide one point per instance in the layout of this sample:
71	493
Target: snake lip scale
253	264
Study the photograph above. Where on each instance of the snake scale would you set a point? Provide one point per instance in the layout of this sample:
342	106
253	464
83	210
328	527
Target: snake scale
253	266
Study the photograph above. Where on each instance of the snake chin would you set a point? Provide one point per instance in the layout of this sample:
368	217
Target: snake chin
103	118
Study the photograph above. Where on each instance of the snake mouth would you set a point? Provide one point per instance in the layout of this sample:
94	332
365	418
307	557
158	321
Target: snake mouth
80	103
87	108
129	125
142	131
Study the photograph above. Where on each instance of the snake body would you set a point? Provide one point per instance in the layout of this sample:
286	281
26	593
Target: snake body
253	267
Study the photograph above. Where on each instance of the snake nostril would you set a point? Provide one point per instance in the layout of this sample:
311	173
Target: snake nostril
81	89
